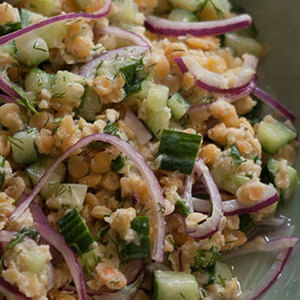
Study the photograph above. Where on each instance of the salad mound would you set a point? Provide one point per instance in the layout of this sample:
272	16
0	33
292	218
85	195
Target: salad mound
139	159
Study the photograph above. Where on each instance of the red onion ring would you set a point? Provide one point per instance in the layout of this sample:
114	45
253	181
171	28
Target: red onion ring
6	99
278	107
89	69
63	17
187	193
211	224
175	28
235	207
53	238
142	133
153	185
125	34
221	83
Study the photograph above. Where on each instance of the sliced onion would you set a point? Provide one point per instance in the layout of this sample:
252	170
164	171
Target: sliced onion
153	185
6	99
187	193
142	133
55	239
211	224
175	28
63	17
11	291
89	70
232	82
235	207
125	34
261	245
266	98
270	278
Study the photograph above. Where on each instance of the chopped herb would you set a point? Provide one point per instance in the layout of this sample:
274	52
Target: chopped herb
62	189
65	206
181	208
102	232
206	258
235	154
219	11
111	128
118	163
246	223
208	100
161	208
36	48
16	142
23	99
182	296
59	95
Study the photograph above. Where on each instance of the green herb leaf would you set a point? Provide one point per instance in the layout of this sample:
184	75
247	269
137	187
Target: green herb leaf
102	232
235	154
181	208
246	223
23	99
118	163
111	128
219	11
205	259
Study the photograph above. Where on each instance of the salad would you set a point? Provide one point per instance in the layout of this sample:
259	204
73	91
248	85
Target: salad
139	159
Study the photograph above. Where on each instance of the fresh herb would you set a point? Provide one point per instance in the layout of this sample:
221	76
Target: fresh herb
235	154
23	99
161	208
118	163
111	128
246	223
205	259
102	232
131	73
18	238
16	142
220	13
254	116
182	296
58	95
62	189
37	48
208	100
181	208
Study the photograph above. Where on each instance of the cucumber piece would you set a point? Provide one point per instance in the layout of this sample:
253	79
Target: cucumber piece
68	87
23	146
53	34
178	151
157	121
126	12
90	105
178	105
31	50
274	135
273	168
34	262
90	259
190	5
68	196
37	170
157	97
2	171
75	231
220	274
182	15
45	7
233	183
12	25
9	48
170	285
36	80
243	44
28	17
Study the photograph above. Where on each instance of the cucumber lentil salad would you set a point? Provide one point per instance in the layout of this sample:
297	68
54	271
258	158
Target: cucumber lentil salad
135	158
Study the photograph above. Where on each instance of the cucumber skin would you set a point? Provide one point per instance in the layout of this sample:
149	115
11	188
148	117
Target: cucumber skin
178	105
36	80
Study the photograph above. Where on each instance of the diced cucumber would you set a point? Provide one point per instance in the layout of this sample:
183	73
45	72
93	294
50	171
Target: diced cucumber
37	170
36	80
68	86
23	146
243	44
157	97
126	12
83	3
178	105
90	105
68	196
44	7
90	259
14	25
2	171
232	183
274	135
9	48
158	121
190	5
34	262
221	274
54	34
273	168
170	285
28	17
31	50
182	15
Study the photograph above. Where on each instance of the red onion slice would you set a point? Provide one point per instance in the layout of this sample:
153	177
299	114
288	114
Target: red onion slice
53	238
274	104
153	185
6	99
187	193
175	28
125	34
63	17
232	82
211	224
235	207
11	291
89	69
270	278
142	133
